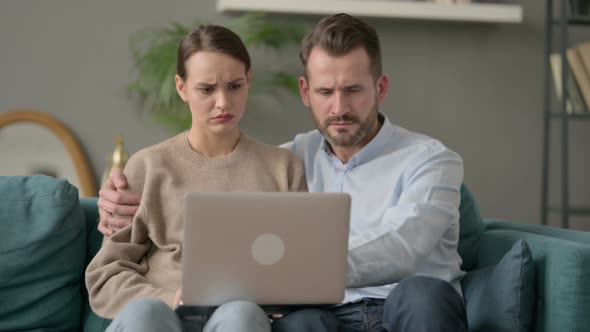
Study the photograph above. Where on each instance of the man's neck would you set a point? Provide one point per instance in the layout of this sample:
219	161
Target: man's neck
213	146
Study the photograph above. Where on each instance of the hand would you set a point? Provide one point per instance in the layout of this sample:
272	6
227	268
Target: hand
112	201
177	299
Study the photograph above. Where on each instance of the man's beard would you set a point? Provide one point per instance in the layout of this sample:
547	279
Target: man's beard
347	137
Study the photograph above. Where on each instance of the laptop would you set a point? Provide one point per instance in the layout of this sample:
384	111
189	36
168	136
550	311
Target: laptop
270	248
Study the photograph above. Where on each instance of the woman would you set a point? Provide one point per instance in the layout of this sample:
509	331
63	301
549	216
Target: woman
138	269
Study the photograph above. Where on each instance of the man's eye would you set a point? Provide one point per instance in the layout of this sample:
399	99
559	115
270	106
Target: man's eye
353	90
325	92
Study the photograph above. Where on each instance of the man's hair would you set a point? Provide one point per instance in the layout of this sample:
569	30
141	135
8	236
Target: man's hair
213	38
338	35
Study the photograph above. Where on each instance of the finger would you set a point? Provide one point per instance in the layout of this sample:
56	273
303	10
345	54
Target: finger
103	224
101	217
105	230
108	185
112	221
119	178
118	222
110	198
124	211
119	197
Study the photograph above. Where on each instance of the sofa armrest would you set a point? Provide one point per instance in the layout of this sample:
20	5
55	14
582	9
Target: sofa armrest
566	234
562	267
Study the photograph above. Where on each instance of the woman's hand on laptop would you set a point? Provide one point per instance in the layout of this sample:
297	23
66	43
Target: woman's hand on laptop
177	299
113	202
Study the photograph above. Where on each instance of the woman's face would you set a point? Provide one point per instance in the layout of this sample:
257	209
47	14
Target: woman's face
216	90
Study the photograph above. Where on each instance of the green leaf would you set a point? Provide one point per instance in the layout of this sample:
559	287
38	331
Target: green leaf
154	50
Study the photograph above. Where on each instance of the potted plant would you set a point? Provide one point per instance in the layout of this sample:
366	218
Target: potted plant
154	57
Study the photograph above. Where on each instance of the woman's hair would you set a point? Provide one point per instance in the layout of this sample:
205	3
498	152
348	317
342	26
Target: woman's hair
338	35
212	38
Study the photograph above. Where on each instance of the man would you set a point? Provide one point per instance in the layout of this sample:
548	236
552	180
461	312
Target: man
403	266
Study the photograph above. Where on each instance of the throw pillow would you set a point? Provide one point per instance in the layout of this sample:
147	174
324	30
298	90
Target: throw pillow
502	297
42	254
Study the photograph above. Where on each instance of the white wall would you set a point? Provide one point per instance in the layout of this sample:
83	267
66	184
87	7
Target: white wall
28	148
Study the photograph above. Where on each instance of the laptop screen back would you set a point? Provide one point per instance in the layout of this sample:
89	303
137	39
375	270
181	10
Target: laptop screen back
268	248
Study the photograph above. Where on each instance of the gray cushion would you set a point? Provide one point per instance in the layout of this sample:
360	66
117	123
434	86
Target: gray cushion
502	297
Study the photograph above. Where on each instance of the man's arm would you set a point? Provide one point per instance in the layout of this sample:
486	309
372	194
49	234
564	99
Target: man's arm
410	230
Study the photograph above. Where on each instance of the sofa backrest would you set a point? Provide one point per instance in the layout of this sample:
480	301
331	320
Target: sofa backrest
471	226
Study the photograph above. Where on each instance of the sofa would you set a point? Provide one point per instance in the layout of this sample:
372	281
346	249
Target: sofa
49	235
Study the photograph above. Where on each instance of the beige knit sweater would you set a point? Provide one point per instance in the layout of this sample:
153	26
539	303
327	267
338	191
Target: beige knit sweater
144	258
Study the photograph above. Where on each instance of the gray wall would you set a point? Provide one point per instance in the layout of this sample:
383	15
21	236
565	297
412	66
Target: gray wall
476	87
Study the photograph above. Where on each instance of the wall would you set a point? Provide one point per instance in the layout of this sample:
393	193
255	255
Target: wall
476	87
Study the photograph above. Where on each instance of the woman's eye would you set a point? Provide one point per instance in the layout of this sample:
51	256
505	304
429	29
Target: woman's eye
206	90
235	86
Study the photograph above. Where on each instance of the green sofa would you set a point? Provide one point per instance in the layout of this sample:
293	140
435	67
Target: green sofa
49	236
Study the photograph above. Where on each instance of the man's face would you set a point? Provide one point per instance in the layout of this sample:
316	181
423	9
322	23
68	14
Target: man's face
343	96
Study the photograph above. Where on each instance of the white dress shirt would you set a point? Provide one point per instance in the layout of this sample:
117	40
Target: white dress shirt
405	190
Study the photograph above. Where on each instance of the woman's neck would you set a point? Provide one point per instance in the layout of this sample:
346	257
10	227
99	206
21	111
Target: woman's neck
213	146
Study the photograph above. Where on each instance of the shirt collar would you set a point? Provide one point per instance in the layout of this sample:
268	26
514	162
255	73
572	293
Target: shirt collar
369	152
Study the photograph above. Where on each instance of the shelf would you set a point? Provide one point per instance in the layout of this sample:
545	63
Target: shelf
575	211
475	12
573	116
558	20
579	20
575	20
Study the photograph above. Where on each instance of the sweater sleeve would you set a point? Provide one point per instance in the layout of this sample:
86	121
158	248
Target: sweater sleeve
115	276
297	181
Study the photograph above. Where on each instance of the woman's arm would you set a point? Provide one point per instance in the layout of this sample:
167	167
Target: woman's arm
116	274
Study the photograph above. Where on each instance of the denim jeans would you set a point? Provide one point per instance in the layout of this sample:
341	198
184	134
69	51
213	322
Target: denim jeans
421	303
151	314
417	304
366	315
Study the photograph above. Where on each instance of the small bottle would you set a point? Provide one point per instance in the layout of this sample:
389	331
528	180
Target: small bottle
118	159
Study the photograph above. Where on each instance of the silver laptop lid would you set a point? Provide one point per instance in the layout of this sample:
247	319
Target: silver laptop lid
268	248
